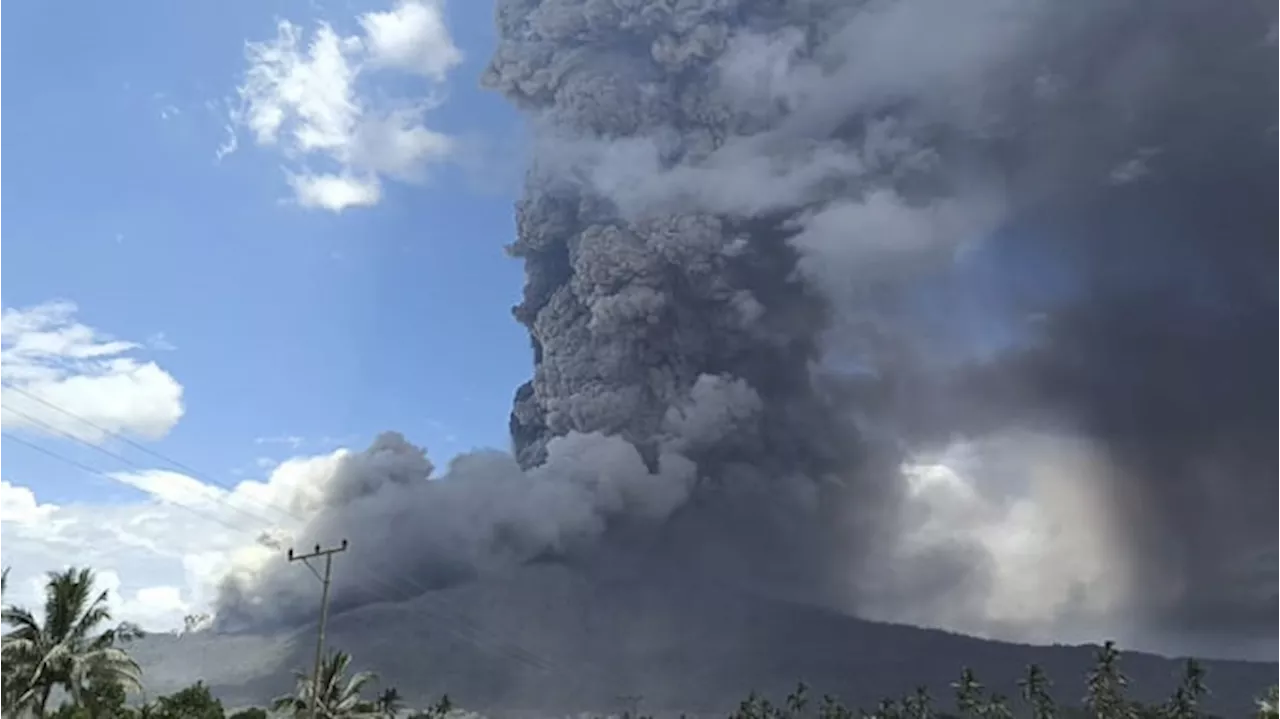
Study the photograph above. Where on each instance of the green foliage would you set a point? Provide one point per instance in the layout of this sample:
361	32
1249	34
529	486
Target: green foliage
15	676
1106	686
194	702
388	703
70	711
968	694
439	710
1185	702
1034	689
1269	704
337	696
918	705
831	708
105	700
101	700
69	649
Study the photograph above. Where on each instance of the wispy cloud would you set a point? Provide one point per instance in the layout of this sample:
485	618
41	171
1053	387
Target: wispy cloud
289	440
157	342
304	99
229	145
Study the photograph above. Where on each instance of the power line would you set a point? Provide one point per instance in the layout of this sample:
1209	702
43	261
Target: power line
86	468
112	434
103	450
473	633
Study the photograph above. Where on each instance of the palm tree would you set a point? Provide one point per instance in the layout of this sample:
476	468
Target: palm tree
17	692
1035	692
1107	684
14	693
389	702
968	694
918	705
69	649
339	697
997	707
1186	700
1269	704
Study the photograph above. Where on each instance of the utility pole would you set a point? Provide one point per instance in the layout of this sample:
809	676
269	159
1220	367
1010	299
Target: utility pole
632	704
324	611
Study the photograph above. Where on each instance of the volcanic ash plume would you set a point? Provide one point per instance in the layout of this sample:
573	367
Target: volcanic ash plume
686	152
775	251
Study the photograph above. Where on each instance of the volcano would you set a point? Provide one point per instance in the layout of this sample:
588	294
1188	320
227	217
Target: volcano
591	640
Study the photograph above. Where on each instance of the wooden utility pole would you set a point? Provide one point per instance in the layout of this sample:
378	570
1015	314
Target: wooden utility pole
324	611
632	704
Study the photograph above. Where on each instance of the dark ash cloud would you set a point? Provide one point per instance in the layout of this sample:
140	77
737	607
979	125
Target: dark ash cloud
777	252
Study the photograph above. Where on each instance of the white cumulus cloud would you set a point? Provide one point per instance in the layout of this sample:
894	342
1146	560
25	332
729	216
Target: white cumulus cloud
306	99
146	554
51	362
19	505
161	558
412	37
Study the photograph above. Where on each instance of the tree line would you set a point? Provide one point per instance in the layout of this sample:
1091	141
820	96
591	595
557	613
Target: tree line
76	651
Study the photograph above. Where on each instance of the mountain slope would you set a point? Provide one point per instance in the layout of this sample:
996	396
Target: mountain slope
550	639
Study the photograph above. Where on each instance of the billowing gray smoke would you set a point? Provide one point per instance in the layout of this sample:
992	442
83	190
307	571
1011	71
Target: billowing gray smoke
774	250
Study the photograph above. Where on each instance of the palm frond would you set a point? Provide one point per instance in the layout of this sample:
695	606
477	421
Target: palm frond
71	647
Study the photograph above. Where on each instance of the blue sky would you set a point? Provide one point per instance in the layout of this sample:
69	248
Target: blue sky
293	325
284	320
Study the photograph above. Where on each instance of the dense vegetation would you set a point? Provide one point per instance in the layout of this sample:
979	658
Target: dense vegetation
76	652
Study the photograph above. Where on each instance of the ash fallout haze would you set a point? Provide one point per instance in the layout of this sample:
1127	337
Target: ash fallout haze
956	314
